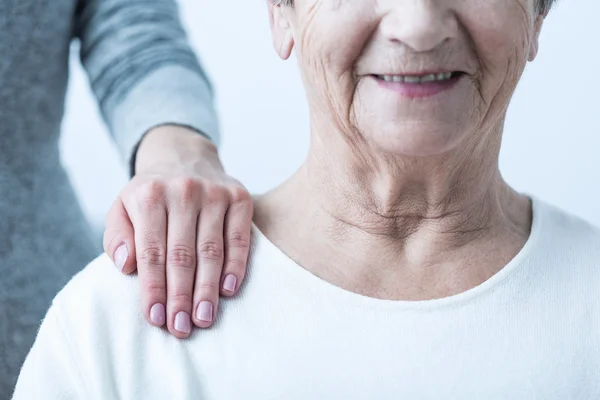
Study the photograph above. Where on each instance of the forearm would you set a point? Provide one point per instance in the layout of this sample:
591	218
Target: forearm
142	70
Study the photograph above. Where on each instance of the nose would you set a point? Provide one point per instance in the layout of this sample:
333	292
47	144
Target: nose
422	25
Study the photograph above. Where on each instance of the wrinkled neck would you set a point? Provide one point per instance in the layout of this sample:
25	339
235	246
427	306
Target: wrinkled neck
392	195
375	222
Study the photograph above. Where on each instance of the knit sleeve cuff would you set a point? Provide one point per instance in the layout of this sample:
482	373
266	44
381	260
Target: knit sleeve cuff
170	95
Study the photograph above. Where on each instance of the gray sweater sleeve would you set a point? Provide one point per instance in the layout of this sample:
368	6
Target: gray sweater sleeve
142	70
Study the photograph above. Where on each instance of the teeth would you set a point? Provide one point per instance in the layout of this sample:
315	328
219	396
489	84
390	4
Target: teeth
412	79
416	79
428	78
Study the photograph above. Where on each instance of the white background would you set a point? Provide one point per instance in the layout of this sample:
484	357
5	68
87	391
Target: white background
552	140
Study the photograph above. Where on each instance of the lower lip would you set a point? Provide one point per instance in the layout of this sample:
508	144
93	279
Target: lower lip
420	90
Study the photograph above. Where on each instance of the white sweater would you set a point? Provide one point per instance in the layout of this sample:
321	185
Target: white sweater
532	331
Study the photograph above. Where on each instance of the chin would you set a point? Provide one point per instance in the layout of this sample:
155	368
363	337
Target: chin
421	141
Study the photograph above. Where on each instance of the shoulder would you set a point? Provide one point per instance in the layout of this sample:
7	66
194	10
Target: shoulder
99	309
100	314
86	337
99	289
565	228
95	334
566	241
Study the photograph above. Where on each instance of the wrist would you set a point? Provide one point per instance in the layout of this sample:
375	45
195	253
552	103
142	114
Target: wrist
172	144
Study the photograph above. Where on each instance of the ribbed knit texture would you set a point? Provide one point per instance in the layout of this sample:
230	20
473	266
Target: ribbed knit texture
143	74
532	331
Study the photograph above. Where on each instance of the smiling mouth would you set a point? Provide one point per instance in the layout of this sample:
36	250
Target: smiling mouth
420	79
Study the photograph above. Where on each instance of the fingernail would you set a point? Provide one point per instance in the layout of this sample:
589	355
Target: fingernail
182	322
157	314
229	283
121	256
205	311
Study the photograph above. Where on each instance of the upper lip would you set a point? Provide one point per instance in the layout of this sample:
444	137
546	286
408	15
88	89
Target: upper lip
419	73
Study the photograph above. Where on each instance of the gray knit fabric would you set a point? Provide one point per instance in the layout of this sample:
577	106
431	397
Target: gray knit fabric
143	74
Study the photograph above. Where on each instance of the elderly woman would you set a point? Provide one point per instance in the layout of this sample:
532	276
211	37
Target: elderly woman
396	263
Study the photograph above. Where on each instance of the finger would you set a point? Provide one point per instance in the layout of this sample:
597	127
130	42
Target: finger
210	253
118	239
150	228
181	269
238	224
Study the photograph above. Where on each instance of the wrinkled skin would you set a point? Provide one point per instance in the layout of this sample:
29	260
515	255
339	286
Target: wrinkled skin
340	44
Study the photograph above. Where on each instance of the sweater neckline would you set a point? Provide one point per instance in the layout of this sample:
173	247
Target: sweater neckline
296	273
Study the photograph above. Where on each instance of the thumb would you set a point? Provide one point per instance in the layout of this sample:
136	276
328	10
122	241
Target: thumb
119	238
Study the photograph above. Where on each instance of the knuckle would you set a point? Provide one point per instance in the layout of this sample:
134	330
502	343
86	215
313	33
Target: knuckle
210	251
238	240
239	194
156	287
153	256
181	257
149	188
180	297
235	265
130	198
214	193
186	189
149	194
208	286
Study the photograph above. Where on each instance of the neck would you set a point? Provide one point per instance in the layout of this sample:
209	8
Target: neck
398	227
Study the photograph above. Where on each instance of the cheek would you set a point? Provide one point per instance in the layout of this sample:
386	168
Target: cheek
330	37
335	31
501	32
